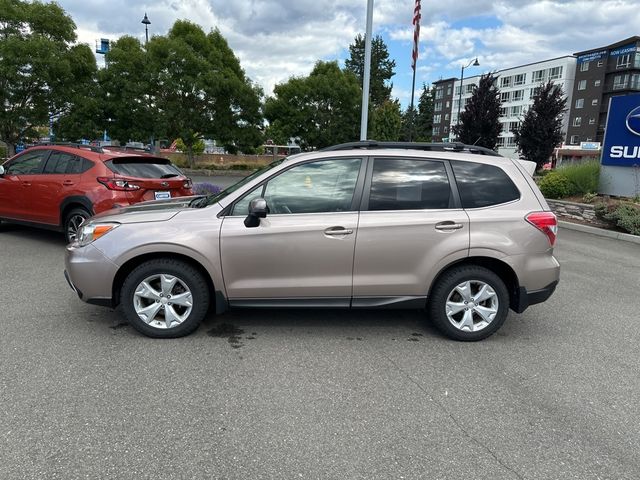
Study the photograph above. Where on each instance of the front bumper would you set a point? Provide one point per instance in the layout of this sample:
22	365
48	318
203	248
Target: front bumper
90	274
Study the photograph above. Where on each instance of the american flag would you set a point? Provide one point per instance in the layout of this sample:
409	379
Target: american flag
416	34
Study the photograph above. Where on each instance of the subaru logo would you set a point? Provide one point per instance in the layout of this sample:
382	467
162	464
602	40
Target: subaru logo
633	121
166	184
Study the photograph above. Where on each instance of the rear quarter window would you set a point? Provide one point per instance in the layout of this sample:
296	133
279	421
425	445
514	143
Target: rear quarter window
482	185
143	167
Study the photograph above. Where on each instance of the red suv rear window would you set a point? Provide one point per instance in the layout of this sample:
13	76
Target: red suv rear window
143	167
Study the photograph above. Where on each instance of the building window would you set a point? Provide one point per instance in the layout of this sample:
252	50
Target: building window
575	139
636	64
503	111
446	129
592	121
515	111
505	82
580	103
513	126
505	96
518	95
555	73
596	83
534	92
436	129
500	141
582	85
620	82
510	141
438	93
624	61
457	90
600	63
594	102
505	127
469	88
577	121
584	67
437	118
437	106
519	79
447	104
538	76
635	81
449	87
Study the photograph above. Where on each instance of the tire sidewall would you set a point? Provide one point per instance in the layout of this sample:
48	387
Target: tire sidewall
67	218
187	274
456	276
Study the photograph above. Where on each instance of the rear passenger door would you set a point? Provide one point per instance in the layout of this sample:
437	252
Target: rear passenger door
411	225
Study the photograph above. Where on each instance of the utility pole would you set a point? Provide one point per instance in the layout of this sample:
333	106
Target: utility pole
367	72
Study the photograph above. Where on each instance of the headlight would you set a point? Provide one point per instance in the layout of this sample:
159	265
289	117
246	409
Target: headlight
92	231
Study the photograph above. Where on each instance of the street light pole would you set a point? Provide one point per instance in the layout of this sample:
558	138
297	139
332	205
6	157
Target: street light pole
146	22
364	117
475	64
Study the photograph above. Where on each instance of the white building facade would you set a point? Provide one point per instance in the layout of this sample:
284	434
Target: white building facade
518	87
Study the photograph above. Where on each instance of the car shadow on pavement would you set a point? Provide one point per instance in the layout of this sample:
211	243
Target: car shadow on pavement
21	232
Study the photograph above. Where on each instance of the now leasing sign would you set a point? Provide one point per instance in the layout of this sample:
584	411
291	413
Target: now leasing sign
622	136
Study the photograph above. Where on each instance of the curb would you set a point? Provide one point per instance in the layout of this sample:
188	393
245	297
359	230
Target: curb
625	237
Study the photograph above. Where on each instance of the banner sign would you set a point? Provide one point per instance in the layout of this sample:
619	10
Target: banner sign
622	135
631	48
590	57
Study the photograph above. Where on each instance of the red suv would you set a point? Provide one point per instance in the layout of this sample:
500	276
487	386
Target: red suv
58	187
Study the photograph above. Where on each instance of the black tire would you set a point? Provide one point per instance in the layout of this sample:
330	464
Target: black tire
71	224
189	278
445	287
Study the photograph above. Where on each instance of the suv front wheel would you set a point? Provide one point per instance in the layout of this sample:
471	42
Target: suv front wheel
469	303
165	298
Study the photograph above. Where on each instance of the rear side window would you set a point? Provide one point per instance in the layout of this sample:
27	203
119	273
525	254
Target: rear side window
65	163
143	167
402	184
482	185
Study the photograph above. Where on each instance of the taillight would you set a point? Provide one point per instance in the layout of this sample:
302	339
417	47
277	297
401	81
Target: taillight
546	222
119	184
188	184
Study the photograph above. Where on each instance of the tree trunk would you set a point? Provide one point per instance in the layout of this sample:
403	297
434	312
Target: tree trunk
190	156
11	150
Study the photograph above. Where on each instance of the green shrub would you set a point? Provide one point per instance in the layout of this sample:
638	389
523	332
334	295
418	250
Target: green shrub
583	177
555	185
625	216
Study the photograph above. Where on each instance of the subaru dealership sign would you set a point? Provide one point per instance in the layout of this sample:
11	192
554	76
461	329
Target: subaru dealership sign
621	148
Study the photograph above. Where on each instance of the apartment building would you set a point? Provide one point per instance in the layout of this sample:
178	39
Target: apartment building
601	74
518	86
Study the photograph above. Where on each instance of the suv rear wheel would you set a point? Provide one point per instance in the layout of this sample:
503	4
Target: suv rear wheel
165	298
469	303
72	222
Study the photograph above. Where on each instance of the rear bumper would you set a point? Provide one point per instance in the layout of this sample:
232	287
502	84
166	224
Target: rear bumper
526	299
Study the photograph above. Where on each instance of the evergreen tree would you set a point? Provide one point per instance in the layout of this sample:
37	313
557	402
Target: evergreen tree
381	68
479	123
408	130
387	122
424	120
541	129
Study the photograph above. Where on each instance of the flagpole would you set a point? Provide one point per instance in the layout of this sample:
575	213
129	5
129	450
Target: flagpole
414	61
367	72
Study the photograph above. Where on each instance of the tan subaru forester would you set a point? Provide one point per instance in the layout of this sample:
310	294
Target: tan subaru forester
455	230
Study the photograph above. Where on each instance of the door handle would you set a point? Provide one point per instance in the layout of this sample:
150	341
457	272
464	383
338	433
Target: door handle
335	231
68	182
448	226
26	184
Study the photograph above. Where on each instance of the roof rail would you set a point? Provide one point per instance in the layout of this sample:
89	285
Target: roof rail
433	147
93	148
125	148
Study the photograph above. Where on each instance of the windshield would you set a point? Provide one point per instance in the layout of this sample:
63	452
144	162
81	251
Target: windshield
216	197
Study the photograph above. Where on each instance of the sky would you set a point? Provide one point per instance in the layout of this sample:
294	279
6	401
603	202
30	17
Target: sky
278	39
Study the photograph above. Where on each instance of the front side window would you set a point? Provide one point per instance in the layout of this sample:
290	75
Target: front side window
483	185
403	184
317	187
28	164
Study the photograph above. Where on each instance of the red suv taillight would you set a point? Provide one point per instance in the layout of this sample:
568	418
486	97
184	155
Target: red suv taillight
119	184
546	222
188	184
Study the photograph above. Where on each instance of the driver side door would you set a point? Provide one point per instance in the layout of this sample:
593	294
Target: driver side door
302	252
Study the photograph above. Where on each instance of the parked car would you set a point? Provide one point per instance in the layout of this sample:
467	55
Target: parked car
60	186
455	229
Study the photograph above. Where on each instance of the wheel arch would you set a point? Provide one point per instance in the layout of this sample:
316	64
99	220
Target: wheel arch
126	268
72	202
499	267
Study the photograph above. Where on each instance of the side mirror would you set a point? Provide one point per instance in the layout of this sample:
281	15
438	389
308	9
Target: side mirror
257	209
1	170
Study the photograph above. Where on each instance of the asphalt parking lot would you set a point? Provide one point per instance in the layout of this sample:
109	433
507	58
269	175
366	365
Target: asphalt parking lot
297	394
